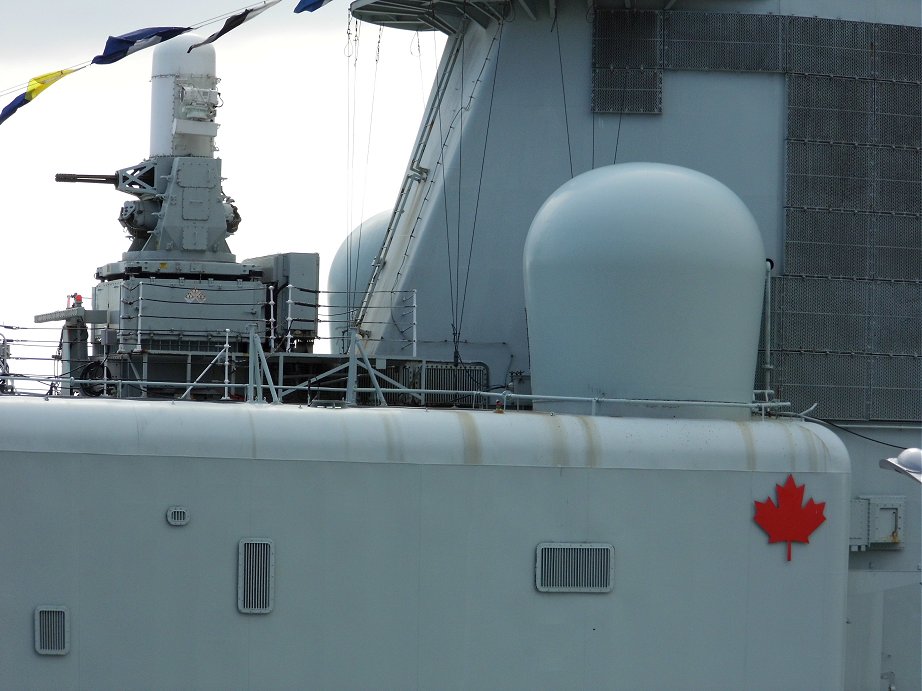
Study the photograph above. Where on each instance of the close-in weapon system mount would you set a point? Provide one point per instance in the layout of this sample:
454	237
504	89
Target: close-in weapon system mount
178	295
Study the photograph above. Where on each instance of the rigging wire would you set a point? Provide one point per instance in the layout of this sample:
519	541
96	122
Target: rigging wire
451	284
430	185
455	327
589	19
498	41
459	294
443	140
593	116
419	56
851	431
352	56
355	270
433	180
555	28
630	48
86	63
219	17
16	88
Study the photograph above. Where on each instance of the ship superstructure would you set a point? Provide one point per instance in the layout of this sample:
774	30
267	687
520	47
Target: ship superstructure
812	114
574	456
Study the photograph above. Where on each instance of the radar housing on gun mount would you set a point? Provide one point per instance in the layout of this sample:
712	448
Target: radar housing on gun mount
178	294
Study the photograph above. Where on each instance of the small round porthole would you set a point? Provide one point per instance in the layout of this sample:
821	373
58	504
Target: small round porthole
177	515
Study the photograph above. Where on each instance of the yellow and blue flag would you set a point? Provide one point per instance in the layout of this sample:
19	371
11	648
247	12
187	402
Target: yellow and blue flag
36	86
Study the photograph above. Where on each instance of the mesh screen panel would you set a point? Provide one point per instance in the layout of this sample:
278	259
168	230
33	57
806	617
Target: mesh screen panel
627	91
831	46
849	302
899	52
837	383
735	42
626	40
626	62
897	390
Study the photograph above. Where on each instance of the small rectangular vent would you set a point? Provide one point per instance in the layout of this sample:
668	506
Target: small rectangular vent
574	567
255	576
177	515
52	631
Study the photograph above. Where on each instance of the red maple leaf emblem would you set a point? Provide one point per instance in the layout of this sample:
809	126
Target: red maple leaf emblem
791	520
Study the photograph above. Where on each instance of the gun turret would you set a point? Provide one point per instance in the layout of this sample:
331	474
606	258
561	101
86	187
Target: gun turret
77	177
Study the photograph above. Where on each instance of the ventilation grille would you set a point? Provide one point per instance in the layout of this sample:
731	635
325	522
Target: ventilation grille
255	576
574	567
52	631
434	376
177	515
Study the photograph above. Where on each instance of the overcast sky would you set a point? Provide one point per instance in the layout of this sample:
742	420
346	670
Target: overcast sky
283	139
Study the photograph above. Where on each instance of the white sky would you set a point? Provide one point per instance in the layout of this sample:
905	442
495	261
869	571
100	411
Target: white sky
283	139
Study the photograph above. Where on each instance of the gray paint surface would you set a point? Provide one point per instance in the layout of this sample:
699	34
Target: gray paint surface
405	540
408	565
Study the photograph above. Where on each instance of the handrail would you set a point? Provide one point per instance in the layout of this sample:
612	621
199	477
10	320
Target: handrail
224	351
415	172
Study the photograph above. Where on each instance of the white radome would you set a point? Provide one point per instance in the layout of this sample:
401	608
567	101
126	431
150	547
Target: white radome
172	63
651	277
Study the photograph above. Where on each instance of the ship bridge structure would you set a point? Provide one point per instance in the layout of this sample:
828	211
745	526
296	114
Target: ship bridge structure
810	112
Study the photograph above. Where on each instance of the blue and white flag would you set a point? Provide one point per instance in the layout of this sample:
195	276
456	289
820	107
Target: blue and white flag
310	5
235	21
118	47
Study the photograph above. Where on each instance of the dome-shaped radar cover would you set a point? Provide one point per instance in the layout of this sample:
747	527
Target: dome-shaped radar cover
644	281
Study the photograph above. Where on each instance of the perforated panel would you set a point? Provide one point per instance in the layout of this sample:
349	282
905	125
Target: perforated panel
837	383
900	172
831	46
626	40
830	176
626	62
853	181
828	243
627	91
712	41
898	106
825	315
898	248
896	313
756	43
897	390
899	52
831	109
854	197
842	315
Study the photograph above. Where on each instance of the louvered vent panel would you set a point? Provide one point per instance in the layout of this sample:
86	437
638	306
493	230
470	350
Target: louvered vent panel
177	515
52	631
255	576
449	378
574	567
